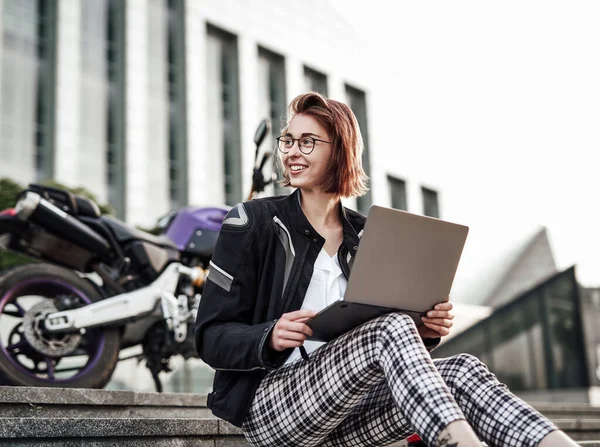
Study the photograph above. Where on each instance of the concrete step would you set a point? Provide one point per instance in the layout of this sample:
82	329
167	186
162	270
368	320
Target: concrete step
580	429
163	432
27	402
84	417
566	411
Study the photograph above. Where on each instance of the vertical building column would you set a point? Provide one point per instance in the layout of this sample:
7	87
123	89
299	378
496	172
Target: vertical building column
373	140
414	197
336	88
198	151
136	112
157	92
1	47
68	93
93	93
294	77
249	101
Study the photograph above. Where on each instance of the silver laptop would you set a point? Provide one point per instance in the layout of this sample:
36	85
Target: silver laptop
405	263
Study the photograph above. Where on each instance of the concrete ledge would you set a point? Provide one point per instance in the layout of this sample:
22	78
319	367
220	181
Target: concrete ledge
589	424
101	411
562	410
566	424
83	396
227	429
88	403
128	442
99	427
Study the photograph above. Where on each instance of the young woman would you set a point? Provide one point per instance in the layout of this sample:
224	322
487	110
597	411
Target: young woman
277	262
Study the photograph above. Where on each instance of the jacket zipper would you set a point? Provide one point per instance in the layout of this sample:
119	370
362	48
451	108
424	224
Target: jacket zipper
282	226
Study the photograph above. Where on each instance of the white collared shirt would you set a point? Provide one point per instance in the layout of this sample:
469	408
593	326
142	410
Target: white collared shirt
327	285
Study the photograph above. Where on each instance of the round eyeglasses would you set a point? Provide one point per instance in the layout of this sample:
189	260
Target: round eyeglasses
305	144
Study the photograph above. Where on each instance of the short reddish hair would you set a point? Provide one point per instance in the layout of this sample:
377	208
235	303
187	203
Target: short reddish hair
345	175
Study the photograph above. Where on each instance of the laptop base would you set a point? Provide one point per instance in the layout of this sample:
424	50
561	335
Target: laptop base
343	316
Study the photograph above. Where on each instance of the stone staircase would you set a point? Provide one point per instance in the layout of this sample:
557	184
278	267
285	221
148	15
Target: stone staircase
82	417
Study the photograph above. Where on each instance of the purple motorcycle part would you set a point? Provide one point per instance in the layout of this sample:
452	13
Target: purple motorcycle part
195	230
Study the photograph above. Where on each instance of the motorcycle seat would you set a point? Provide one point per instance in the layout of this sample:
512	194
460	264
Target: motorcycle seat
87	207
124	233
73	204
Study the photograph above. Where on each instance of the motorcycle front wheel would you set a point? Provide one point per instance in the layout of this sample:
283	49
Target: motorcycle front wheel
29	355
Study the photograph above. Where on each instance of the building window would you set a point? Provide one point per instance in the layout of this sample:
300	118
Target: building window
224	106
115	115
430	203
44	122
315	81
27	86
398	193
357	101
272	93
178	181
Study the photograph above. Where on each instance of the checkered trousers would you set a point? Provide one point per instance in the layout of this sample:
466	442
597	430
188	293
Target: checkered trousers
377	385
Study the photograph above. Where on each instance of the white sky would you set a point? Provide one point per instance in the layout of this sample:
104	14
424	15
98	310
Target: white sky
511	91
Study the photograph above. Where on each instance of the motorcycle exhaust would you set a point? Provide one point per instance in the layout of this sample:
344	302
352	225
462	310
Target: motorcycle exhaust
32	207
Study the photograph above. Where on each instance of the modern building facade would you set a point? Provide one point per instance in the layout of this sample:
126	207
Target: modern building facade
542	344
153	105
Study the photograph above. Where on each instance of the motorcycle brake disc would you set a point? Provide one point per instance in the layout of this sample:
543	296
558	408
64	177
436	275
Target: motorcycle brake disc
52	345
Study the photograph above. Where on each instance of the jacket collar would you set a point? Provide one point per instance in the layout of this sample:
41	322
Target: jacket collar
303	227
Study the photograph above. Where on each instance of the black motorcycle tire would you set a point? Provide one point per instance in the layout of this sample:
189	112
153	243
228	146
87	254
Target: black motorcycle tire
96	377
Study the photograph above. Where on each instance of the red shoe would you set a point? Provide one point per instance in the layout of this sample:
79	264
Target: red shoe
415	441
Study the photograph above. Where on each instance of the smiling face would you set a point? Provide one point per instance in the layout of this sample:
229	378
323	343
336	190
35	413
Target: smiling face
306	171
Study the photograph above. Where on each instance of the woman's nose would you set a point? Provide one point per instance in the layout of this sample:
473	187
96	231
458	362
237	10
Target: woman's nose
295	149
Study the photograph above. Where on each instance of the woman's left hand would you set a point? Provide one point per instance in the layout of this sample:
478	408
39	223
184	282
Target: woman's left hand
438	321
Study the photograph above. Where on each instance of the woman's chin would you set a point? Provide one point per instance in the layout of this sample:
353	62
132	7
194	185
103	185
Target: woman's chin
297	183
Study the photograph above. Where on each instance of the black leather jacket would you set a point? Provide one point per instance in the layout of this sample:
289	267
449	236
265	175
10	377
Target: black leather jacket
261	268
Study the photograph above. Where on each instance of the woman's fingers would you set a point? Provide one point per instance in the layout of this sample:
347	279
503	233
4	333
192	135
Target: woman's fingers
283	339
441	314
442	330
290	331
298	314
446	322
442	310
293	326
446	305
289	335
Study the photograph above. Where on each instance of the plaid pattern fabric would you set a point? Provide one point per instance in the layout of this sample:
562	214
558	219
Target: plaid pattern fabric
377	385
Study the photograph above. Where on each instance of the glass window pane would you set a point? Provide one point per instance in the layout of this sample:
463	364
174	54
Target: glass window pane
473	341
510	352
315	81
357	101
564	333
115	110
430	203
398	193
223	102
178	183
272	93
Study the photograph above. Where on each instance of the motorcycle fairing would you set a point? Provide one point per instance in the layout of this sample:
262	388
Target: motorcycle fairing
195	230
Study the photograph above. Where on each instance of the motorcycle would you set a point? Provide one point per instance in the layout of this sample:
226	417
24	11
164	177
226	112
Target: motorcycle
100	286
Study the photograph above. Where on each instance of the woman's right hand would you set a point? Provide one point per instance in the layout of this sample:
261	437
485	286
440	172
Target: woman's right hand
291	330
